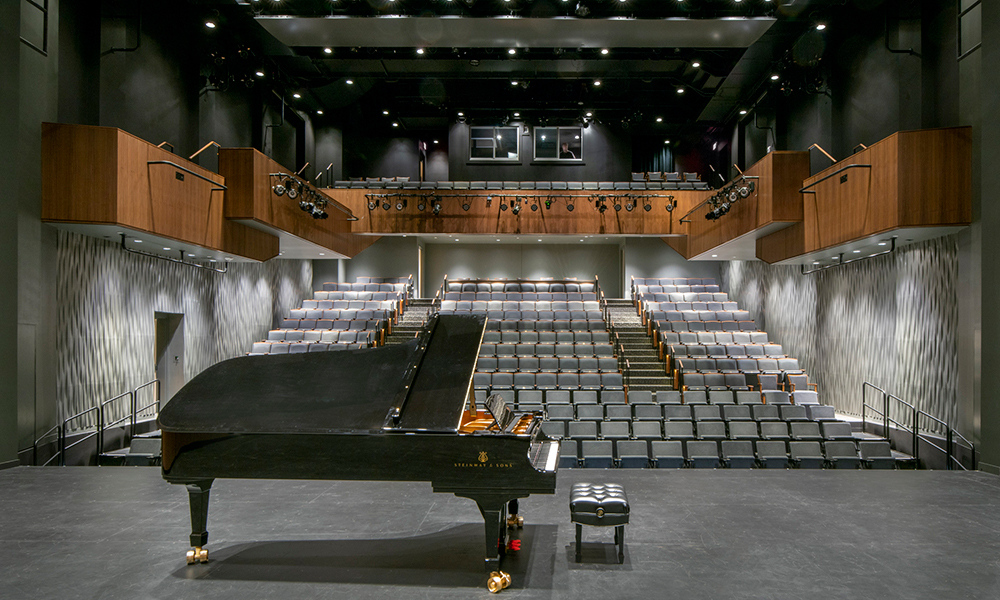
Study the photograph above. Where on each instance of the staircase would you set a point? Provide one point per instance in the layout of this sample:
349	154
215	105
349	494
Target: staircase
646	370
411	322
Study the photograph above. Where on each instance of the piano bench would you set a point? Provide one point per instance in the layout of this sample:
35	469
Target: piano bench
600	505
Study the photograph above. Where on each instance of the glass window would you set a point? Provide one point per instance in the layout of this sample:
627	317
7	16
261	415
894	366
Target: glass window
558	143
494	143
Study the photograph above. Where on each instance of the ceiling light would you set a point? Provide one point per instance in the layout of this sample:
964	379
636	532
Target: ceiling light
319	112
420	50
597	83
857	251
349	82
395	124
666	142
775	77
696	65
743	112
882	243
659	119
401	204
680	90
328	50
461	114
517	114
166	248
590	114
604	51
512	51
820	26
259	73
715	256
385	112
210	24
435	141
513	82
296	95
322	254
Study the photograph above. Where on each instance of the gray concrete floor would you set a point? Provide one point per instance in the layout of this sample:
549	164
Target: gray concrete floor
121	532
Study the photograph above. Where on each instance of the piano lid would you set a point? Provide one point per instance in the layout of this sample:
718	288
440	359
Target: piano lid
426	379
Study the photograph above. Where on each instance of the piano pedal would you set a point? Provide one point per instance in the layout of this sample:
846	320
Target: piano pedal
498	580
515	521
197	554
513	545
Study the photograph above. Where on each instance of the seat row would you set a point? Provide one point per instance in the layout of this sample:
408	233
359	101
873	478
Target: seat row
763	382
325	335
333	286
466	305
536	398
799	431
550	364
684	412
645	299
516	286
548	381
379	309
735	351
645	289
580	350
525	315
632	454
341	314
747	364
657	311
341	324
331	299
672	281
701	315
696	326
261	348
547	337
707	338
664	176
540	325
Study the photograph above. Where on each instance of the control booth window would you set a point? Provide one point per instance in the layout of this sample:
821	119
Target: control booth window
559	143
494	143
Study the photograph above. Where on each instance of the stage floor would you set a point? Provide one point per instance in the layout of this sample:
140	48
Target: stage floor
121	532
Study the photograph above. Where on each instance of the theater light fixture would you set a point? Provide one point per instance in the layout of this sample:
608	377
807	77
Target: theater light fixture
646	206
630	205
401	204
503	204
372	205
292	189
569	205
548	203
437	207
279	189
534	206
421	204
515	206
466	205
386	205
618	205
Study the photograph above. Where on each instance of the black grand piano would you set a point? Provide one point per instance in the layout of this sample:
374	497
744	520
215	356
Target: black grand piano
397	413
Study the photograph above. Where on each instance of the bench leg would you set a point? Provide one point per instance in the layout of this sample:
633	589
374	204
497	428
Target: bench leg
579	534
620	541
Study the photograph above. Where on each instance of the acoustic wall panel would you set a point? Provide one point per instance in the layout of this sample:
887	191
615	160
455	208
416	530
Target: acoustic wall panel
890	320
107	299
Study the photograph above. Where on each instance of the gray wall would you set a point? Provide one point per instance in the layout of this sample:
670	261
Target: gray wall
652	257
523	261
390	256
108	298
607	156
891	321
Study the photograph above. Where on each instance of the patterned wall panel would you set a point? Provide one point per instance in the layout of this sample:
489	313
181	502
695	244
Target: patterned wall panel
890	320
107	299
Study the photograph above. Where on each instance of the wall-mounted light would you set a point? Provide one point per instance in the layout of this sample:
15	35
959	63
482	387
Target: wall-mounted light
401	204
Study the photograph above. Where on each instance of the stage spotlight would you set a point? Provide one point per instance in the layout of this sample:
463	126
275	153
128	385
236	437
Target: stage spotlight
630	205
671	204
401	204
386	205
372	205
466	205
515	207
437	207
279	190
548	204
421	205
569	205
292	189
503	204
618	205
534	206
489	201
306	206
646	206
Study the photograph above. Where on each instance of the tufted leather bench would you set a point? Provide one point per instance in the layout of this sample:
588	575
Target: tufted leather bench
601	505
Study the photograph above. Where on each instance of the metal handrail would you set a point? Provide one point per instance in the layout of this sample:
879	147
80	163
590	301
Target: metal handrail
101	425
34	446
914	427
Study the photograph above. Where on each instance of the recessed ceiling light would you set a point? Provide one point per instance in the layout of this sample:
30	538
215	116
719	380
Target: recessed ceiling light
590	114
659	119
137	241
191	255
513	82
815	262
435	141
385	112
395	124
461	114
857	251
296	95
420	50
696	65
715	256
321	254
512	51
597	82
517	114
605	51
820	26
259	73
319	112
539	239
349	82
166	248
210	24
881	243
680	90
666	141
328	50
743	112
775	77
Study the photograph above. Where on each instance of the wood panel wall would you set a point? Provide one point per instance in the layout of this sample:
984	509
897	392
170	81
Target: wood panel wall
251	197
584	219
102	175
909	179
775	200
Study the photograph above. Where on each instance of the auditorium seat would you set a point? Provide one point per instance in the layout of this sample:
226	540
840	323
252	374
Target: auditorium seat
743	430
793	412
632	454
805	431
560	412
703	454
590	412
647	430
555	429
668	397
736	412
597	454
710	430
678	430
652	412
667	454
568	457
806	455
618	412
836	430
738	454
877	455
772	454
774	430
614	430
842	455
819	412
582	430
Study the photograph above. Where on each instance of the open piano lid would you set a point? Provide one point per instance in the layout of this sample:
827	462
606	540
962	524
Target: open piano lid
420	385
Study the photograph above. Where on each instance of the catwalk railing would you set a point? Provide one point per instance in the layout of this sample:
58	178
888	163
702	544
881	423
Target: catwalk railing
894	412
60	434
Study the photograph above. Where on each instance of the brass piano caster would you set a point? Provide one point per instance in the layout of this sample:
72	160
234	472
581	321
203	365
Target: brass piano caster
515	521
498	580
196	555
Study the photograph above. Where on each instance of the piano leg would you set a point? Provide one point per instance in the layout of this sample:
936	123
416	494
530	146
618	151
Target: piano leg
198	496
495	517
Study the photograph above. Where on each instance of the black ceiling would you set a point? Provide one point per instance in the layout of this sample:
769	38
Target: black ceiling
687	88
